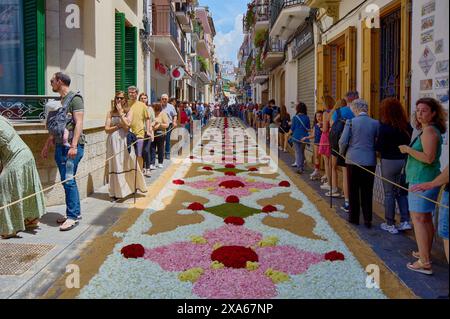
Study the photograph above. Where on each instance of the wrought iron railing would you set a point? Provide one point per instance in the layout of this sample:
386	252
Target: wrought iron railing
24	108
274	45
278	5
262	10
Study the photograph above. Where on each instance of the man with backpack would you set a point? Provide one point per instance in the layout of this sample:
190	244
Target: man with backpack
339	117
70	117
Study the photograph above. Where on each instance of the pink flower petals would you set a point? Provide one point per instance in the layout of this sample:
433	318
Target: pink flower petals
232	235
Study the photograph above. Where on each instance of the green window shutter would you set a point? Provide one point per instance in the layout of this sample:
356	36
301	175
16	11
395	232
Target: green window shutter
120	51
130	56
34	46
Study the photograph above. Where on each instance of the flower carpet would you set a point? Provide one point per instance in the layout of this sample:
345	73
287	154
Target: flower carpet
227	230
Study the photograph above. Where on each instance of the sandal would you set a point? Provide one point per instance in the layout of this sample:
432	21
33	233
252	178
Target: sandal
9	236
62	220
420	267
69	224
416	255
32	224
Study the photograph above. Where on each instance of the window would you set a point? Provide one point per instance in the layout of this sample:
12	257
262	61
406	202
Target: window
125	54
22	47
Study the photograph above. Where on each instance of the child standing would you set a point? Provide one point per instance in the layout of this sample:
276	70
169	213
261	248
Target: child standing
316	136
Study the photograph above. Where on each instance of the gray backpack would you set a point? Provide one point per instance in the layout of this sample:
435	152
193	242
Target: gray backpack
57	120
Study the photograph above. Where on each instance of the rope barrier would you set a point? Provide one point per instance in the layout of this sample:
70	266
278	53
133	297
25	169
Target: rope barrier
168	131
79	175
369	171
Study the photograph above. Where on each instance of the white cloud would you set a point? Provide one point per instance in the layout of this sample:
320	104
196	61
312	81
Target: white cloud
228	44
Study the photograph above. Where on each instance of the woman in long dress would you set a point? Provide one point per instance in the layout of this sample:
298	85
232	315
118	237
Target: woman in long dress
124	176
19	178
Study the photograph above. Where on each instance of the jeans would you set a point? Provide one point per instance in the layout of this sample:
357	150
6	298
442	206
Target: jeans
167	138
391	170
300	155
148	154
73	208
361	190
158	143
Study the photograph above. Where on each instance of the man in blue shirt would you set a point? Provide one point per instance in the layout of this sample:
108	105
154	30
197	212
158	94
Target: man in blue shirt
346	111
268	113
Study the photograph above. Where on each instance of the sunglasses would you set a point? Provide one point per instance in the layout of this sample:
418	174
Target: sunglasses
120	98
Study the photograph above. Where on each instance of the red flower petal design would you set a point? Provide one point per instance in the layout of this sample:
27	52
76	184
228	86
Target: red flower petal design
334	255
133	251
178	182
196	206
284	184
234	221
230	174
232	184
234	256
230	166
232	199
269	209
253	169
207	168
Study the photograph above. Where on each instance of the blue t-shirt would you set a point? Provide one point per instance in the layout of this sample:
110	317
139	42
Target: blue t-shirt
346	114
268	111
300	126
317	134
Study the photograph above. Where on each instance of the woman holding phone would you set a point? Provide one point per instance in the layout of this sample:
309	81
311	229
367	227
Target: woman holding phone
125	177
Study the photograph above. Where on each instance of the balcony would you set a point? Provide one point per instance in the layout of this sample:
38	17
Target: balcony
261	77
23	109
182	10
273	53
166	34
262	15
286	16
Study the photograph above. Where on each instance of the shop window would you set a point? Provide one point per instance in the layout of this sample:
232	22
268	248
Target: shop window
22	47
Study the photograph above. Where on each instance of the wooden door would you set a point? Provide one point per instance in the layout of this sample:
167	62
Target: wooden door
370	68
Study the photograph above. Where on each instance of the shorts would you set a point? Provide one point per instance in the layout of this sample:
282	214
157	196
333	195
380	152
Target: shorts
139	147
421	205
340	159
443	217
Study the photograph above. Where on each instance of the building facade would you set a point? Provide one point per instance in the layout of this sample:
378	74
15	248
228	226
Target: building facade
104	46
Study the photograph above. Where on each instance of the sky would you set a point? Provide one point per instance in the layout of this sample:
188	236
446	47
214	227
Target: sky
227	15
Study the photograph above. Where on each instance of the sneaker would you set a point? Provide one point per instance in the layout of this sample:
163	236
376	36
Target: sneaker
325	186
147	173
160	165
404	226
346	207
294	165
315	175
333	194
152	167
391	229
324	179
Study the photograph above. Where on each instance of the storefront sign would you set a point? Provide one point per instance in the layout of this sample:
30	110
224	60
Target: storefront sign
303	41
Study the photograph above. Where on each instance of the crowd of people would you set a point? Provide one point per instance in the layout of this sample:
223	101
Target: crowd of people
343	137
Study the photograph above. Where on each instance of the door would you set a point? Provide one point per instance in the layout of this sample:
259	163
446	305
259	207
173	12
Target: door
341	75
305	76
390	55
370	68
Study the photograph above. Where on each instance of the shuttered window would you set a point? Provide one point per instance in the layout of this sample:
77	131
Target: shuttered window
126	54
120	51
34	46
130	56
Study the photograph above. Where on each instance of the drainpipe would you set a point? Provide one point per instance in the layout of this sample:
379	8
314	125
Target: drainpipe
148	59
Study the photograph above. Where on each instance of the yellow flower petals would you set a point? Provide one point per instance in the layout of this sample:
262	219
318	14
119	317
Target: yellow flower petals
191	275
254	190
276	276
269	241
217	246
217	265
251	265
198	240
250	180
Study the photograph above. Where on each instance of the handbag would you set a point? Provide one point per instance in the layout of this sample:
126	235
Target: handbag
131	138
401	180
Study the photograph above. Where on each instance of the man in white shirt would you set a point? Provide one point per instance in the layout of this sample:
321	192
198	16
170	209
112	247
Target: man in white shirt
171	112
